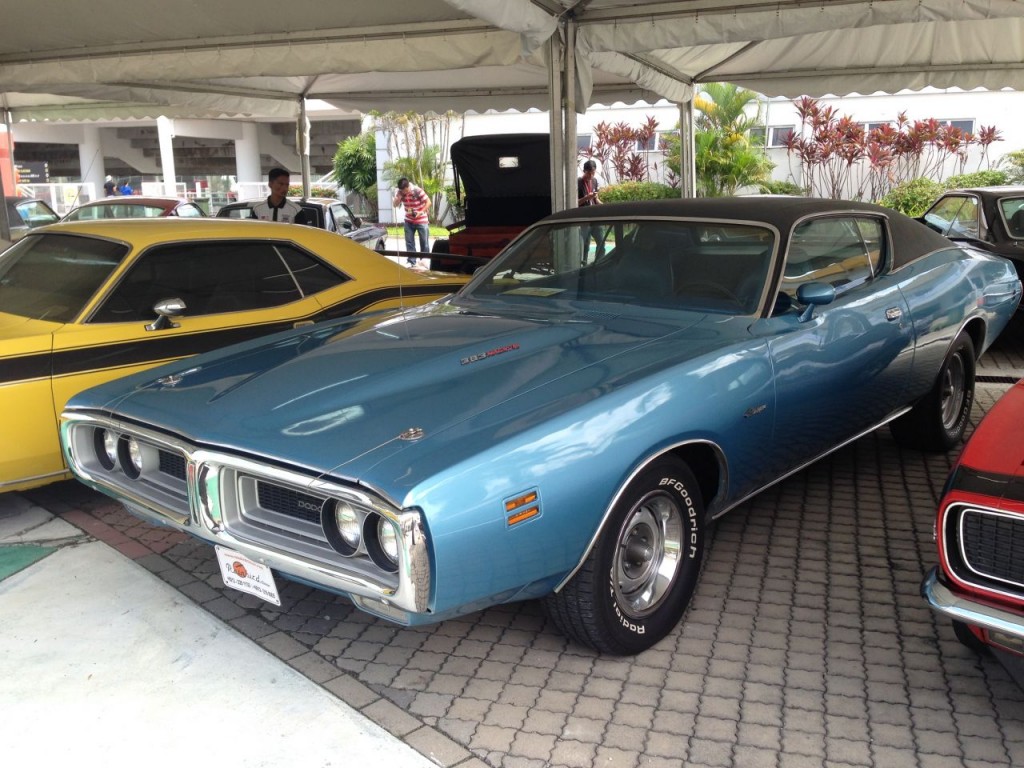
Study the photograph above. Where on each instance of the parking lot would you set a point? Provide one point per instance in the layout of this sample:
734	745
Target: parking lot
807	643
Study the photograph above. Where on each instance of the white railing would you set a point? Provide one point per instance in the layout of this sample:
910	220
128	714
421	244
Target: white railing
61	197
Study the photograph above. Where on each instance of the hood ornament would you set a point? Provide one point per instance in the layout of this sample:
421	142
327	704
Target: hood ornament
172	380
412	433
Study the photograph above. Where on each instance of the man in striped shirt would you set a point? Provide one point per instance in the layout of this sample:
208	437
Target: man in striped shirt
416	204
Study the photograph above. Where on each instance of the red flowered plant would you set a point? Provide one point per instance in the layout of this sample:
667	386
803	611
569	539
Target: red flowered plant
839	158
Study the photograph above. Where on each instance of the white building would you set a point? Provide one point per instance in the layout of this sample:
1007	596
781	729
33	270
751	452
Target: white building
969	111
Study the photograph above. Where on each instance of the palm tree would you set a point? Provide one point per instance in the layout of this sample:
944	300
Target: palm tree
723	107
724	156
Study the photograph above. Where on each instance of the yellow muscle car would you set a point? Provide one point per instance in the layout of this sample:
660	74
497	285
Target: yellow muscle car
82	303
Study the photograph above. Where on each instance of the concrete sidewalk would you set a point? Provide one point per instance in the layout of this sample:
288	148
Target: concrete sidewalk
101	663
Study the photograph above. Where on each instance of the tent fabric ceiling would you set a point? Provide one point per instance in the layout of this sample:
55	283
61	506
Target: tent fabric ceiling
107	59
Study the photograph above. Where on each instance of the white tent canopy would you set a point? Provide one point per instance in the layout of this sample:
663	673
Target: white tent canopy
109	60
102	59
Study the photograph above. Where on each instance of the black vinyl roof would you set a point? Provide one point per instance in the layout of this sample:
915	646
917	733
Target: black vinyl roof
911	239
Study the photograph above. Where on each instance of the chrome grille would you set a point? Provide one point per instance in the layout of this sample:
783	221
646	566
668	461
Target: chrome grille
993	545
161	483
173	464
291	503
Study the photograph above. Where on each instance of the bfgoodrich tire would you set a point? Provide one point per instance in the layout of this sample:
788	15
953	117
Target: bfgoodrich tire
938	421
638	579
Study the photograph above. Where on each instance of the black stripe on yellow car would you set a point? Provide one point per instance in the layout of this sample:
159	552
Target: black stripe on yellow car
156	348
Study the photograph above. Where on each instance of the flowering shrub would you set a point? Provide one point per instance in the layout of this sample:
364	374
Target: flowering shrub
840	158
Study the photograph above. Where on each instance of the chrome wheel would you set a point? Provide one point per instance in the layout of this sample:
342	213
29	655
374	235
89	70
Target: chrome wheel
647	554
952	390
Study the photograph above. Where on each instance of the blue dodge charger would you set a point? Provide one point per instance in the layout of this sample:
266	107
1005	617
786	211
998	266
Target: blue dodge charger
566	427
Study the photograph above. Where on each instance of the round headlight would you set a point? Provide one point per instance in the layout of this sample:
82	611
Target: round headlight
348	524
104	443
110	445
135	454
129	457
388	539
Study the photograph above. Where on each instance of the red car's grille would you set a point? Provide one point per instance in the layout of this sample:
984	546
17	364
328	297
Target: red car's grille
992	548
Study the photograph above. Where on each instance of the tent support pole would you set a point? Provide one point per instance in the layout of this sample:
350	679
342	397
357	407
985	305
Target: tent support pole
688	168
165	135
302	136
556	129
569	127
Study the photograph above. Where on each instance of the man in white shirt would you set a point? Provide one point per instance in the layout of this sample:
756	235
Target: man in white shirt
277	207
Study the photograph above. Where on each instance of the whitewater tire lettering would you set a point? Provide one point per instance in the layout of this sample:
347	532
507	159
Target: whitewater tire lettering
639	629
637	579
692	549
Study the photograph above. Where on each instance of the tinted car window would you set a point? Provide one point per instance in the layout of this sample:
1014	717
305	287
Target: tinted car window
342	217
51	277
189	211
677	265
956	216
35	214
116	211
841	251
209	277
1012	209
237	212
312	275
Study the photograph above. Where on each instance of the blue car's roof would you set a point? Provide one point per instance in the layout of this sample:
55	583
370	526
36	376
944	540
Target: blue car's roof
911	239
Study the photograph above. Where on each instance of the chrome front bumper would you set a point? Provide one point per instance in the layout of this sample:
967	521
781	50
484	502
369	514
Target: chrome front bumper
945	602
206	500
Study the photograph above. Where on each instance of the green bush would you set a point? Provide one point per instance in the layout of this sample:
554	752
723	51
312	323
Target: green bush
773	187
637	190
913	197
295	190
1014	164
977	179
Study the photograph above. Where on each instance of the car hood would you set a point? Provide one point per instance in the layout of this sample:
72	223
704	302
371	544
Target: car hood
345	396
995	448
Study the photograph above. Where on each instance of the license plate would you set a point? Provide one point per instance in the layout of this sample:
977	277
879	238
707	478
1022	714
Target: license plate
246	575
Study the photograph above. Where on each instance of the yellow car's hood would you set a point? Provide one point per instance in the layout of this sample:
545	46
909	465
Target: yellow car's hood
22	335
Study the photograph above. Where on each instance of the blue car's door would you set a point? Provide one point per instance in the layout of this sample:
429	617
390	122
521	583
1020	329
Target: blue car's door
845	368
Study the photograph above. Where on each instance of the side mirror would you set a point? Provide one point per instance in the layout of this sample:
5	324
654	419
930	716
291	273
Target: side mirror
166	309
814	294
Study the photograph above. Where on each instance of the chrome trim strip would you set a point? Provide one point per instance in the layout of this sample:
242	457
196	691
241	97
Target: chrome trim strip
945	602
33	478
816	459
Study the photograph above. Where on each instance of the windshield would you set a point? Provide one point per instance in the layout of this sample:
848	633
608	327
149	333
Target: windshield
116	211
51	277
695	265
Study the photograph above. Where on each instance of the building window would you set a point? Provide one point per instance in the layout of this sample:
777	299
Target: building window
967	126
583	141
652	144
777	135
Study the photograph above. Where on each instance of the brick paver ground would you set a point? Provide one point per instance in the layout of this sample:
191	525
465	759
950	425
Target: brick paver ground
807	643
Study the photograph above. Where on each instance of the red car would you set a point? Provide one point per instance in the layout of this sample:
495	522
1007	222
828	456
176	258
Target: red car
979	582
134	207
